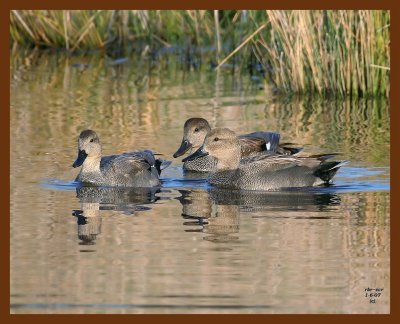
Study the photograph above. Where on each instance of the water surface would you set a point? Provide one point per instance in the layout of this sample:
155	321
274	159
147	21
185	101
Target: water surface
187	247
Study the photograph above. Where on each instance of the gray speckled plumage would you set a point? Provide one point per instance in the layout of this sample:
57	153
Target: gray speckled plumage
196	129
202	164
264	171
133	169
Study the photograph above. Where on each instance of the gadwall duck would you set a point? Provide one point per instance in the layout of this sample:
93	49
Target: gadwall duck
196	129
264	171
133	169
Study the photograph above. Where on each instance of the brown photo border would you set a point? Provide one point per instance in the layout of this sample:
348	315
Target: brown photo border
7	5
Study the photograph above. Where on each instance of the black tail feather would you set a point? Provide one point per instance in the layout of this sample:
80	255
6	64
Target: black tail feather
327	170
161	165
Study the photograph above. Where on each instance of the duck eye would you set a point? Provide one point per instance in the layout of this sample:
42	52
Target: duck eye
92	140
216	139
196	129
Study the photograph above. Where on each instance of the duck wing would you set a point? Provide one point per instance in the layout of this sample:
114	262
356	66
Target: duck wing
128	163
251	144
275	162
288	149
271	139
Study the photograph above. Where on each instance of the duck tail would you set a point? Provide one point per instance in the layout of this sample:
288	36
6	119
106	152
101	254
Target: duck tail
161	165
327	170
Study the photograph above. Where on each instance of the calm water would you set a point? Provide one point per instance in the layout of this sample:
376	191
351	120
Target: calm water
188	248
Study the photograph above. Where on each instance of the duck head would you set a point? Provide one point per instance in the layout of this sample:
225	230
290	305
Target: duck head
194	132
88	146
224	145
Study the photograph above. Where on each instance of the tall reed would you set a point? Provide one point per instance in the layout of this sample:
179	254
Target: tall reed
328	52
90	29
331	53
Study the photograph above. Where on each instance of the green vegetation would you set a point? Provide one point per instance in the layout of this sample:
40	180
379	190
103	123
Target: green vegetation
331	53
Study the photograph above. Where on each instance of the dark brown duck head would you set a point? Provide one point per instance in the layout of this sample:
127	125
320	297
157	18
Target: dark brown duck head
224	145
194	132
89	146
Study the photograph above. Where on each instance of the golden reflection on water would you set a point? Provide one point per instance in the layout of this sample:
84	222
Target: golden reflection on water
66	101
185	249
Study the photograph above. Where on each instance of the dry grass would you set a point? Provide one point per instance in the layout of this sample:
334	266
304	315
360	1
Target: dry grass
328	52
331	53
90	29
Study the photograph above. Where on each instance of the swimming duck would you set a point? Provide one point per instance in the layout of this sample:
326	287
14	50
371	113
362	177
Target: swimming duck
196	129
133	169
266	171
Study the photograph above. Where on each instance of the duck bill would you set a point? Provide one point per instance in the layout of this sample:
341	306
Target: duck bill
80	159
199	153
185	146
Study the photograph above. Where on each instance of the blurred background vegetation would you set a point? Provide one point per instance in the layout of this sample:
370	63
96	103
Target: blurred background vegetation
329	53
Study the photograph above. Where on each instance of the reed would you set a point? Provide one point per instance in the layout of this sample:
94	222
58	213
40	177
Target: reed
336	53
91	29
330	53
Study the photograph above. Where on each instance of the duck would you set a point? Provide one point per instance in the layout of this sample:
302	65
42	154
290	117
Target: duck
196	129
132	169
268	171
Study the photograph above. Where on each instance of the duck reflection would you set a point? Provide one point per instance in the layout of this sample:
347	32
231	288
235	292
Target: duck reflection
89	224
94	199
278	201
217	211
220	221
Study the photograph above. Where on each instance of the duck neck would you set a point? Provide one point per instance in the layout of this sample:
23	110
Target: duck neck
230	161
91	164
